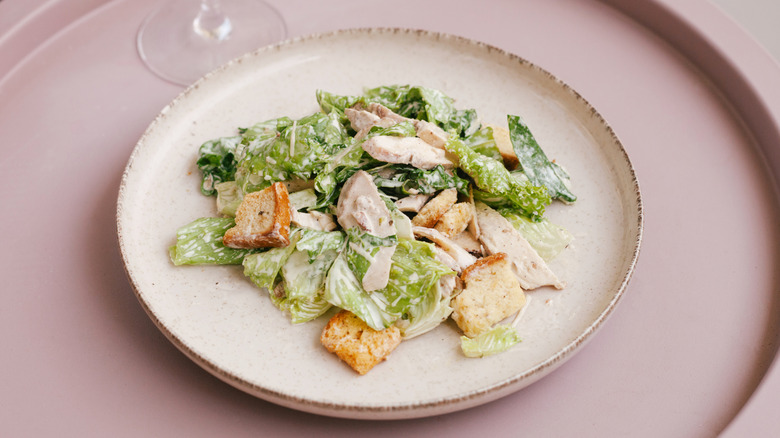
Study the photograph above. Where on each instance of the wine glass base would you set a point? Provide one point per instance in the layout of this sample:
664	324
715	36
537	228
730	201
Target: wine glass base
169	45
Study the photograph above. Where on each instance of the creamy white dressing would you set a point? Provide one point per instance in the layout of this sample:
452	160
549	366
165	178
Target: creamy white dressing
292	138
362	252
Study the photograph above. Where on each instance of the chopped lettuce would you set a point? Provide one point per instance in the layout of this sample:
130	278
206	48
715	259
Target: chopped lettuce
217	160
414	272
401	180
333	104
496	340
362	247
301	310
544	236
482	141
303	199
265	130
402	223
304	282
328	185
424	103
414	102
400	129
302	267
535	164
316	242
428	313
229	197
304	279
492	177
263	268
281	150
343	289
200	243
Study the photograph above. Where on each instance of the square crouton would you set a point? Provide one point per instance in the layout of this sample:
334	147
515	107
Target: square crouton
455	220
491	293
434	209
357	344
262	220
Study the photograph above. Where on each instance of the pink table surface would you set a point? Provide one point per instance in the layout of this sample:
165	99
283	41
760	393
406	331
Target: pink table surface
688	353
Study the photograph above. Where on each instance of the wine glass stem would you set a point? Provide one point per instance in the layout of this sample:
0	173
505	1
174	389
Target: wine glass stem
211	23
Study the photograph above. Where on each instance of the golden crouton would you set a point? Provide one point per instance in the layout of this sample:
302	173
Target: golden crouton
433	210
455	220
357	344
491	293
262	220
505	148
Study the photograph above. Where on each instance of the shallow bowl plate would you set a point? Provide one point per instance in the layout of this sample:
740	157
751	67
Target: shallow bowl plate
230	328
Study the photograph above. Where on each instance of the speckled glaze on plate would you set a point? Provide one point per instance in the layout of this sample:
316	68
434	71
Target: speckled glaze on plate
230	328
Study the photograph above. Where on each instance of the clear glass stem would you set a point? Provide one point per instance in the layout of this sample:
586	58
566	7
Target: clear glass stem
182	40
211	23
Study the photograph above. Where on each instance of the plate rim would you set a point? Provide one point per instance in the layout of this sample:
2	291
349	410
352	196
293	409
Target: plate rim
417	409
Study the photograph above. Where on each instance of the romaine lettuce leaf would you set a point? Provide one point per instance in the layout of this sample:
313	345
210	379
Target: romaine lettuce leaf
496	340
315	242
280	151
303	199
410	101
303	284
265	130
302	267
493	178
263	268
335	104
301	310
400	129
343	289
414	102
535	164
229	197
362	247
426	314
482	141
547	238
402	180
200	243
328	185
414	272
304	279
463	123
217	160
402	223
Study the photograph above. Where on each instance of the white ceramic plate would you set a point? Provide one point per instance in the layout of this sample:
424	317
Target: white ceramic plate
230	328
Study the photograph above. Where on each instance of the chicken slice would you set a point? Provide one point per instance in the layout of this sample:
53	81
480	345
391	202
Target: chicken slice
460	255
406	150
361	119
467	241
384	112
360	205
412	203
314	220
431	133
499	236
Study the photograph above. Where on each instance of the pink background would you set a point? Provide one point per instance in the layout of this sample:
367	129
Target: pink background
688	352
